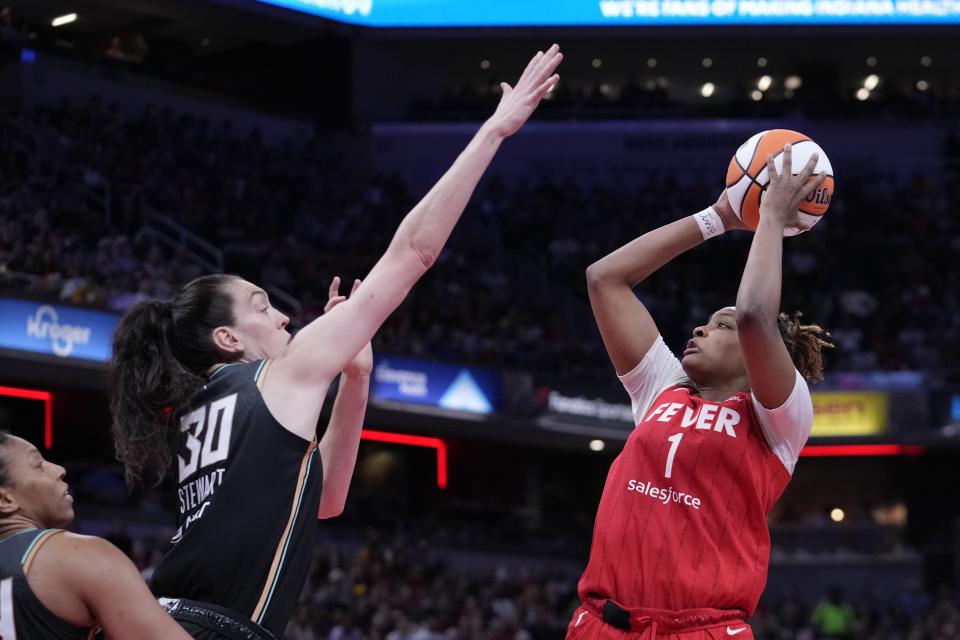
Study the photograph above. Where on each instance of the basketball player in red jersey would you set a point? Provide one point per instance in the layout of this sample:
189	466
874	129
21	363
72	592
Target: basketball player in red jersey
680	543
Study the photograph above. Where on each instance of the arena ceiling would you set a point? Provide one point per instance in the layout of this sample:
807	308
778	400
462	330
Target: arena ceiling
203	25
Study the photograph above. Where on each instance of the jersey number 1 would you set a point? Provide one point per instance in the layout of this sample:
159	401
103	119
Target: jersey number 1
8	631
674	445
207	430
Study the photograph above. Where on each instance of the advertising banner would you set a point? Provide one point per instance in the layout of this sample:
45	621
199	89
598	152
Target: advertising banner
446	386
589	409
838	413
57	330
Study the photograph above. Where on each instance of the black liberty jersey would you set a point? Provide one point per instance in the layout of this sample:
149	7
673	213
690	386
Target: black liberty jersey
248	495
22	615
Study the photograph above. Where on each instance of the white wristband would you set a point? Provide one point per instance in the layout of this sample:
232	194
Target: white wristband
710	223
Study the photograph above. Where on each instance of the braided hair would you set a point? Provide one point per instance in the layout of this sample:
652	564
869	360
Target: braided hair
805	343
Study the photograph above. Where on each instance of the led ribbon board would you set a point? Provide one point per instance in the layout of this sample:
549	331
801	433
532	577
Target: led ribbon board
511	13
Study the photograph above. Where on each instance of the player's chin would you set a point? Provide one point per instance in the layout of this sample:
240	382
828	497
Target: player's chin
692	364
62	517
689	359
280	348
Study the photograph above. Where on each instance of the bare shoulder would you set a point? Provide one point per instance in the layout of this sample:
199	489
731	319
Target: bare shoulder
67	568
86	557
70	541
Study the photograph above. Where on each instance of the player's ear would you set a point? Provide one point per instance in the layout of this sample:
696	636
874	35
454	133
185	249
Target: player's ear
8	502
227	341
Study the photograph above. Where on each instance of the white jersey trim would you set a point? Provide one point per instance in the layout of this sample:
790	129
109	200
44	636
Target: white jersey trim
787	428
658	370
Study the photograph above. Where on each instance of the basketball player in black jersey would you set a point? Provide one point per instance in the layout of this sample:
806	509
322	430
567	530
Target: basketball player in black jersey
211	387
56	585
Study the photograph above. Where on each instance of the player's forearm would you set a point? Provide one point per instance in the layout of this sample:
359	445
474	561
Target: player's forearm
634	262
759	294
426	228
338	447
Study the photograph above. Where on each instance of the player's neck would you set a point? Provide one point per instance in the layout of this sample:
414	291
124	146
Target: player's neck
720	392
15	524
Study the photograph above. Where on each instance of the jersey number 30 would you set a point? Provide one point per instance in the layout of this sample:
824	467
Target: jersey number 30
207	431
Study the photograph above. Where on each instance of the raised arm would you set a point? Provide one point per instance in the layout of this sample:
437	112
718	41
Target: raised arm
627	329
324	347
339	444
769	368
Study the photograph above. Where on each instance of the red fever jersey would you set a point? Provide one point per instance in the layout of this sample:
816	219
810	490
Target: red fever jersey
682	520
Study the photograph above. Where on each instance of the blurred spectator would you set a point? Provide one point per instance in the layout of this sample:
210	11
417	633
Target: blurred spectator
120	538
834	618
507	292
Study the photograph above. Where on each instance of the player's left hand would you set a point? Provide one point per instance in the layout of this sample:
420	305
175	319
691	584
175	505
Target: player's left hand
781	201
517	103
725	210
362	363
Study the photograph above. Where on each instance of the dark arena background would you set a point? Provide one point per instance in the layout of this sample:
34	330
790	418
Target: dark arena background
146	142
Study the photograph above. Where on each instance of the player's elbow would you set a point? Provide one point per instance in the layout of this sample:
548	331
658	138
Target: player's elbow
597	274
332	500
412	257
327	511
425	256
753	314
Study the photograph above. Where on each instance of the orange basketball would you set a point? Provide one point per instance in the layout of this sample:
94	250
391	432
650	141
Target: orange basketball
747	176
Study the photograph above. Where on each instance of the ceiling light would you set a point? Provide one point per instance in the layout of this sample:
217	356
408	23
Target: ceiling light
59	21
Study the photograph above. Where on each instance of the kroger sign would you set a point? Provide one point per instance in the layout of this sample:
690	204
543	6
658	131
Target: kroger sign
65	332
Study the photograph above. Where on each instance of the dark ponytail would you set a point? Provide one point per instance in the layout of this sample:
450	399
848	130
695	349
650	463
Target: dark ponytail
161	351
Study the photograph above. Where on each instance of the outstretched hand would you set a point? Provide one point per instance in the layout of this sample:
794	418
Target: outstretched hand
517	103
781	201
362	363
